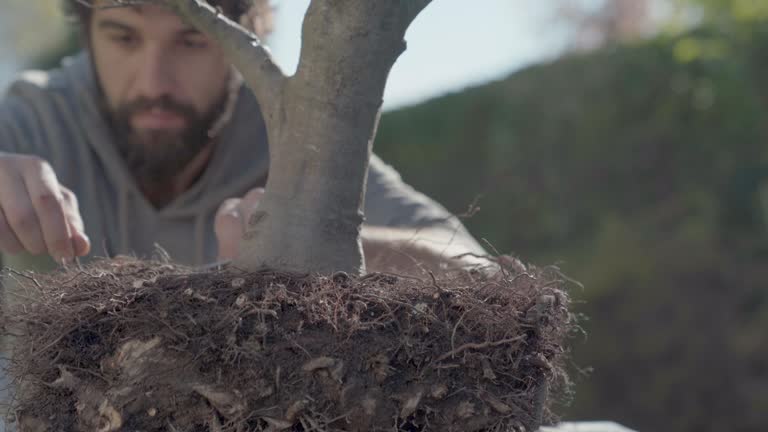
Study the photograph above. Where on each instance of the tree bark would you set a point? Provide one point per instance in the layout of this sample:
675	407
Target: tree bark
320	122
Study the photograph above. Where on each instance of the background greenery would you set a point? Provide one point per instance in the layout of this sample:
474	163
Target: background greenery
643	169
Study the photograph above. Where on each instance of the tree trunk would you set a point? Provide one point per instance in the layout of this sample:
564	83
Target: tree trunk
321	123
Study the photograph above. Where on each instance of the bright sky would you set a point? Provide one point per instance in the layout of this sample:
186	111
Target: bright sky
453	44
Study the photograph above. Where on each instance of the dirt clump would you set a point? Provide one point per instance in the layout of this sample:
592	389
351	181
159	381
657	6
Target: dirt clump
128	345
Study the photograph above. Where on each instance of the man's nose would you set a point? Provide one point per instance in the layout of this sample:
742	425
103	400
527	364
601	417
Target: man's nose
157	74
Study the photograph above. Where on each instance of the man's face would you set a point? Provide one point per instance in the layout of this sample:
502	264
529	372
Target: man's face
164	83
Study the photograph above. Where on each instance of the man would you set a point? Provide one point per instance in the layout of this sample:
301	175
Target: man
148	138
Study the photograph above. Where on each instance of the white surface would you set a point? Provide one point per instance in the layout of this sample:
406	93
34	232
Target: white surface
597	426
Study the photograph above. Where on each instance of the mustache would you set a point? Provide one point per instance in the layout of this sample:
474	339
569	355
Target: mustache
165	103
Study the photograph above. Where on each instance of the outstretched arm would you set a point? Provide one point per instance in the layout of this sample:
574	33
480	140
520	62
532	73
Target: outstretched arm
419	251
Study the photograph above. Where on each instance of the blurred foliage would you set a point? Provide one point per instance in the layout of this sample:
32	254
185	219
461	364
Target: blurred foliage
67	45
714	11
32	28
644	169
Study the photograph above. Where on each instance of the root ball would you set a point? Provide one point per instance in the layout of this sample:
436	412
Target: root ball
132	345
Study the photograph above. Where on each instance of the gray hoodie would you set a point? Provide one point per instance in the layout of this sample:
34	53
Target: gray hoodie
57	116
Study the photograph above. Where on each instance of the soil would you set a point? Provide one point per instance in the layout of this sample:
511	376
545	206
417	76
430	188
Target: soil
128	345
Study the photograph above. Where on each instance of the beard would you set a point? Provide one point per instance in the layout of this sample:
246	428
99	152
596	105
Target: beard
156	156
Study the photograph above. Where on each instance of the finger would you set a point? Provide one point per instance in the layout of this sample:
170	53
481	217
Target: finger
47	199
80	241
253	196
81	244
249	204
20	214
228	226
8	241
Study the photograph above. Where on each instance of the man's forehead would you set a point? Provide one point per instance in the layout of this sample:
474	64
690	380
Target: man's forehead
137	14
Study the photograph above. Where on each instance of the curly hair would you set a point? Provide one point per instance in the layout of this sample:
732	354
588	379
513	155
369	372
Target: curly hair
259	11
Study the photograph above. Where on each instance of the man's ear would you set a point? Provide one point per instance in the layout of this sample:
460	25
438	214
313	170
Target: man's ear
258	19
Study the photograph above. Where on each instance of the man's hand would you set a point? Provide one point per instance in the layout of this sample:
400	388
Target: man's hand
231	220
37	214
403	251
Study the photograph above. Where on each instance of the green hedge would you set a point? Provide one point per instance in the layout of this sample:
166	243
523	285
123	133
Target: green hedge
641	168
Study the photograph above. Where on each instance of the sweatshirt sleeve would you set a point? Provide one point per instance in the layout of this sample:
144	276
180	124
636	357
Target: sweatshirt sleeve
13	125
390	202
22	109
40	116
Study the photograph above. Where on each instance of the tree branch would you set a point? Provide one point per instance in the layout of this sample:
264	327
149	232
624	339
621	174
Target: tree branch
242	47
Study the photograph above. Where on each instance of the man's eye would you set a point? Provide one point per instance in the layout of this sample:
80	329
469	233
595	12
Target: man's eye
124	39
195	43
